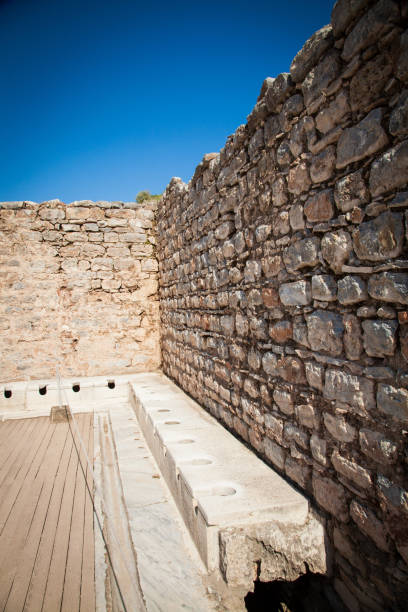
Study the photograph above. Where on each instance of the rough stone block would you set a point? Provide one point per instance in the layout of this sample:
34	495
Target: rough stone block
284	401
325	331
350	191
280	224
310	53
351	470
399	116
369	524
283	155
402	64
281	331
378	447
271	265
301	254
302	136
279	90
279	191
255	144
324	288
322	165
395	496
298	178
393	402
262	232
291	108
330	116
362	140
336	248
272	128
389	171
306	415
381	238
339	428
367	85
241	324
297	472
258	328
269	364
354	390
321	76
252	271
291	369
227	325
224	230
292	433
274	453
300	331
351	290
318	447
343	13
353	345
319	207
370	27
53	215
379	337
295	294
296	219
330	496
314	374
389	287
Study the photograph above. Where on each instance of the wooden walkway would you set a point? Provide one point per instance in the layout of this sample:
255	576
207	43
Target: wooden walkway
46	518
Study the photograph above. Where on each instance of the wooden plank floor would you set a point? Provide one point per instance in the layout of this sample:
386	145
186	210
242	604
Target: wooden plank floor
46	517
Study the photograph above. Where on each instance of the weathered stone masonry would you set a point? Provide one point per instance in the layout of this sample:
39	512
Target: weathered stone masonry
284	288
78	289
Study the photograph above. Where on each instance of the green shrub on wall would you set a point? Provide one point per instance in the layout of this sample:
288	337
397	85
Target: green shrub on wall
144	196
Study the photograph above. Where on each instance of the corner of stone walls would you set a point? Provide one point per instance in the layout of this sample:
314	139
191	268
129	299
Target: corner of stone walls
283	279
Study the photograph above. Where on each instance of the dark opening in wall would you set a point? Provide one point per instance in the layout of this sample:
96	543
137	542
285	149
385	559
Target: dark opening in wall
8	393
309	593
111	384
42	390
76	387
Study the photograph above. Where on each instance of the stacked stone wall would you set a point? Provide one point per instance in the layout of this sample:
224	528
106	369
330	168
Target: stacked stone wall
284	288
78	289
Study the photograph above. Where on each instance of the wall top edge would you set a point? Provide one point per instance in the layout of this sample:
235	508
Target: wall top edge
17	205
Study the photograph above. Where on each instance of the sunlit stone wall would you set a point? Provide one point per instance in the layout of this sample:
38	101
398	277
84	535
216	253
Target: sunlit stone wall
78	289
284	288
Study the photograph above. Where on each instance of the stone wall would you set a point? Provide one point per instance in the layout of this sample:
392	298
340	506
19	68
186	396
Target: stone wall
78	288
284	288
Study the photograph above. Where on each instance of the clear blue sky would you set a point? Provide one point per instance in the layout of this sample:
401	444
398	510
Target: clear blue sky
103	98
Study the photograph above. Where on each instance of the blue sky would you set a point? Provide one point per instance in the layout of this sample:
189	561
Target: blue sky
103	98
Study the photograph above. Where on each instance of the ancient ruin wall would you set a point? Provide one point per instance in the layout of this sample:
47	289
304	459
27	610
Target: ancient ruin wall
284	288
78	289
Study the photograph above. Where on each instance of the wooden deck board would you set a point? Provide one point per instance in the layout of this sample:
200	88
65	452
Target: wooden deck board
13	489
13	444
87	601
46	518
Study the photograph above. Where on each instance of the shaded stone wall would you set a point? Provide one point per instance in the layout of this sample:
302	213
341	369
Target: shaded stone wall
284	288
78	288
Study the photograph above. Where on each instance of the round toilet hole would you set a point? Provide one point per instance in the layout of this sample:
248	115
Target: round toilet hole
223	491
